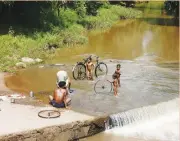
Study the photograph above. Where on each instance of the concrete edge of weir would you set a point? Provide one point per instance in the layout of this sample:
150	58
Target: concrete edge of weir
65	132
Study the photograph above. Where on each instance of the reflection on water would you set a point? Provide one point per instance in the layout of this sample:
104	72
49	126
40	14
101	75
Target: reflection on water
127	40
38	79
124	41
148	36
150	77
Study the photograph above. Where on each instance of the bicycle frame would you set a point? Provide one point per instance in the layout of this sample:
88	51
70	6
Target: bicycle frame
96	66
85	60
97	60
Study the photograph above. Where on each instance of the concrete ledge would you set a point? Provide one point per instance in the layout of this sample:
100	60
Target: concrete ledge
66	132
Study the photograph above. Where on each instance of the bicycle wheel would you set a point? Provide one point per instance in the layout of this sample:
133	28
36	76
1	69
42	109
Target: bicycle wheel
79	71
103	86
101	69
49	114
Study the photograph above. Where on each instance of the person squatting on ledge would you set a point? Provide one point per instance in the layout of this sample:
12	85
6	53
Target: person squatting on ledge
60	98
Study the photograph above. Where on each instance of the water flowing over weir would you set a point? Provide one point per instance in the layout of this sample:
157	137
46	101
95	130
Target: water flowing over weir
144	113
136	122
160	121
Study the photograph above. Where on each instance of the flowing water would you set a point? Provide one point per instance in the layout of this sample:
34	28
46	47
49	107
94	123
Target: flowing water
124	41
148	50
157	122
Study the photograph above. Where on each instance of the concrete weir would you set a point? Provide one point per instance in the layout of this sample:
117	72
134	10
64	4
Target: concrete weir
21	123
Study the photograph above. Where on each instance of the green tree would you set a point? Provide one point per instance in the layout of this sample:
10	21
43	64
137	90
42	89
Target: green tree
172	8
93	6
130	3
68	17
80	8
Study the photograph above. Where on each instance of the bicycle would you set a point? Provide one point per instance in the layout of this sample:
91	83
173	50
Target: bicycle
103	86
79	70
49	114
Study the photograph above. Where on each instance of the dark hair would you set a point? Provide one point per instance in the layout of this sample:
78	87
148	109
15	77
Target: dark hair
62	84
118	65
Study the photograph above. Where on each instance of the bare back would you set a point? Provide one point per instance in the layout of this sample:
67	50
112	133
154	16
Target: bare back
59	95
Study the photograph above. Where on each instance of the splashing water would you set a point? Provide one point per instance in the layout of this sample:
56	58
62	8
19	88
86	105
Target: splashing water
159	121
147	57
146	40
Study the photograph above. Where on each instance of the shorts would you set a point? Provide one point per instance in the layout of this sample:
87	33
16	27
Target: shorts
57	105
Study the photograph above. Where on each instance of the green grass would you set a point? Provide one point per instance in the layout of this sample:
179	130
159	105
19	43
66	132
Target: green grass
152	8
151	5
13	48
107	17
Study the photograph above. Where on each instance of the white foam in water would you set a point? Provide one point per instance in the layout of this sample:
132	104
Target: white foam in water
147	57
146	39
160	122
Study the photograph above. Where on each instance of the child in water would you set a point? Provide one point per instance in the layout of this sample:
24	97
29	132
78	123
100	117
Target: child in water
115	83
89	68
118	72
116	79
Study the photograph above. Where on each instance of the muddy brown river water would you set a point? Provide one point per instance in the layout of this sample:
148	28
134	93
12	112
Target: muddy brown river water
148	51
124	41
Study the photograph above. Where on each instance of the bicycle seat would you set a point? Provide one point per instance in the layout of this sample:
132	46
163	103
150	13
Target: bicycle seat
89	56
97	57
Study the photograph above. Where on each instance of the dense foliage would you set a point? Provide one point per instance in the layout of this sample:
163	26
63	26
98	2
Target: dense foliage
26	27
172	7
38	14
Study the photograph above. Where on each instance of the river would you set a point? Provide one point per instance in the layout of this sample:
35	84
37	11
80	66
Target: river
148	51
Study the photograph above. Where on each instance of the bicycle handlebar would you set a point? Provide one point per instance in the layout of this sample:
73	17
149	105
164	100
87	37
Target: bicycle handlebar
85	60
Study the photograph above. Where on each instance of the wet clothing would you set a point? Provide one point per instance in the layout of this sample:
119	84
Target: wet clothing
59	94
57	105
117	72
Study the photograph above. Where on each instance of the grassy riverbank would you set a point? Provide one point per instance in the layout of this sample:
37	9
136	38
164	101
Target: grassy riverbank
15	46
156	7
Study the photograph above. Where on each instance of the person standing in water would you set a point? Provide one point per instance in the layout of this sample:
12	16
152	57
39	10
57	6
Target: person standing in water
89	68
118	72
116	79
115	83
